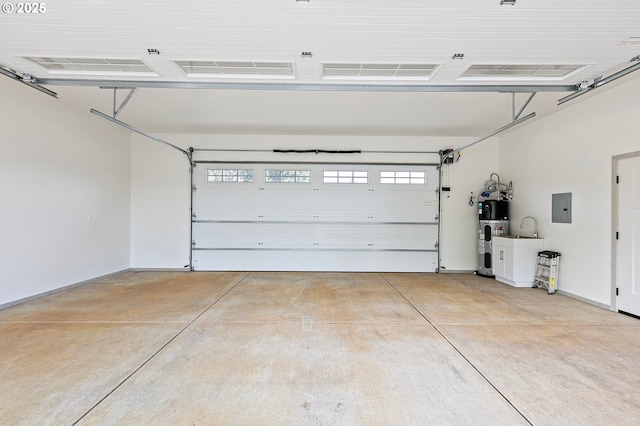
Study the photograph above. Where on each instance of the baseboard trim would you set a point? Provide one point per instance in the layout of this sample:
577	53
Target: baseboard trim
585	300
61	289
186	269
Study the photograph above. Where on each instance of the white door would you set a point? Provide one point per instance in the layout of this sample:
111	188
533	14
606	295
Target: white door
629	236
315	217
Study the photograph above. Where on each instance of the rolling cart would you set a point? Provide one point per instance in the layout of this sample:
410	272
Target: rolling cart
547	270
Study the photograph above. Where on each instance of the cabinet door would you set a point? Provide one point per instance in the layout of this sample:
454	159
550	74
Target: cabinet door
498	264
508	262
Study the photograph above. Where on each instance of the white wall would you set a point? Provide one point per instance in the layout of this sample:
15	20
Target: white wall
459	244
571	151
160	204
160	185
64	191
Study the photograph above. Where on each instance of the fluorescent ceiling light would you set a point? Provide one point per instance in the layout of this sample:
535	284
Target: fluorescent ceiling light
94	66
379	71
520	72
237	69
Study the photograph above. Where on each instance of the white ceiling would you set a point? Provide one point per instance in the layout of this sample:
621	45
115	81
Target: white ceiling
603	35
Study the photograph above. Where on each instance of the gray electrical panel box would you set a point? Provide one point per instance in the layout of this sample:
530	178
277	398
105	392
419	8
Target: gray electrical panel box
561	208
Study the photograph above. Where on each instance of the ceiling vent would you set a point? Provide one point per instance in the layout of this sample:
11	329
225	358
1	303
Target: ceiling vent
94	66
384	71
237	69
521	72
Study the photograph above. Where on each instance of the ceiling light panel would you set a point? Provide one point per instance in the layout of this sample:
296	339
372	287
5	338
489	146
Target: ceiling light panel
381	71
237	69
521	71
94	66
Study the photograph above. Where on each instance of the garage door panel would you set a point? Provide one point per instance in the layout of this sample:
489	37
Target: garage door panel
308	204
237	225
403	205
224	203
314	235
314	260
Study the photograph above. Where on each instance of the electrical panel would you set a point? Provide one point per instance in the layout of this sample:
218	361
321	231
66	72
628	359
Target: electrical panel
561	208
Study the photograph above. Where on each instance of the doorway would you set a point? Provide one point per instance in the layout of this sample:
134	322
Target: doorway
628	233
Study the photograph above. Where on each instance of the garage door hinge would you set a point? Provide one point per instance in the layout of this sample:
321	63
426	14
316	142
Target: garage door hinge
437	244
194	188
193	244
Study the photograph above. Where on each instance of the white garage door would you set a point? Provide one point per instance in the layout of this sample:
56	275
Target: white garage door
315	217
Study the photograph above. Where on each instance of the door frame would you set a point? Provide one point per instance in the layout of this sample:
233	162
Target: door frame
615	211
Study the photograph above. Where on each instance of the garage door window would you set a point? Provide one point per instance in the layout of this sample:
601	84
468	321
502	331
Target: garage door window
345	176
413	178
229	175
287	176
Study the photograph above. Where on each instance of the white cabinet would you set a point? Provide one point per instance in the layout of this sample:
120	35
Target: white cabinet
514	260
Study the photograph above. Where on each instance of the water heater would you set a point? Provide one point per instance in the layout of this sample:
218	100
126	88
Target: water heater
493	221
493	210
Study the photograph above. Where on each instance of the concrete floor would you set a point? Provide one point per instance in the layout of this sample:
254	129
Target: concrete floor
153	348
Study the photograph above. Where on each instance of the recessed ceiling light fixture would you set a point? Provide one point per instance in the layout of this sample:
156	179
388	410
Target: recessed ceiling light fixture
153	51
510	2
521	71
94	66
458	56
237	69
378	71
